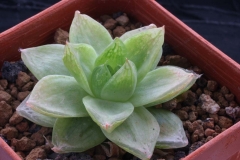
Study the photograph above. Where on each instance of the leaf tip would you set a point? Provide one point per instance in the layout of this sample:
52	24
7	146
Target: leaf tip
77	12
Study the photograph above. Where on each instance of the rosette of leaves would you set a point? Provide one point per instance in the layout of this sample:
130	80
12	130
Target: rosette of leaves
95	88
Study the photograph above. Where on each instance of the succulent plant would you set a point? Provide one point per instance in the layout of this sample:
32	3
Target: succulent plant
95	88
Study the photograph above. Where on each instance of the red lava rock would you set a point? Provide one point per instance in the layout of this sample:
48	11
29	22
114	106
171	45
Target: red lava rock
224	90
197	125
105	17
28	87
229	97
208	123
24	144
14	92
22	79
22	95
110	24
5	113
214	117
4	83
9	132
217	129
216	95
201	82
224	122
61	36
183	115
4	96
118	31
45	131
15	104
22	126
199	92
192	116
191	98
222	112
176	60
189	126
38	138
37	153
209	132
15	119
207	92
212	85
222	101
170	105
208	138
122	20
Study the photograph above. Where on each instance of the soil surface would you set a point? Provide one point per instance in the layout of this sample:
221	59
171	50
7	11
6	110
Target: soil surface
206	110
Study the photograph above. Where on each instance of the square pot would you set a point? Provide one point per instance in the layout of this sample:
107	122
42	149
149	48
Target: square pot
39	30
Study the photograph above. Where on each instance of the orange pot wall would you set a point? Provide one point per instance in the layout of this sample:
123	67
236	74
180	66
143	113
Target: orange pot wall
40	28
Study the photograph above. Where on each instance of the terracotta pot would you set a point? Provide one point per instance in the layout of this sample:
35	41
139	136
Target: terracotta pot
39	30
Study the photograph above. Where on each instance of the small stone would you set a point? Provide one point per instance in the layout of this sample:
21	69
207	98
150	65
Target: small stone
170	105
22	126
214	117
233	112
189	126
14	92
208	123
15	104
229	97
197	70
22	79
37	153
127	28
217	129
187	108
118	31
5	113
199	92
224	122
28	87
194	138
222	101
9	132
122	20
224	90
183	115
138	25
197	125
24	144
45	131
216	95
22	95
105	17
195	146
38	138
176	60
208	104
191	98
4	96
110	24
15	119
4	83
233	104
192	116
209	132
212	85
208	138
21	155
207	92
222	112
201	82
61	36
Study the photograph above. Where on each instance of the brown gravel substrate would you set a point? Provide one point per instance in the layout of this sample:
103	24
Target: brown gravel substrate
206	110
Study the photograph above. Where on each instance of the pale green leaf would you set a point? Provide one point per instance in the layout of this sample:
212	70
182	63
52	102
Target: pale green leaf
40	119
172	134
161	85
107	114
100	76
79	60
122	84
84	29
114	55
137	134
144	49
131	33
58	96
45	60
75	135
